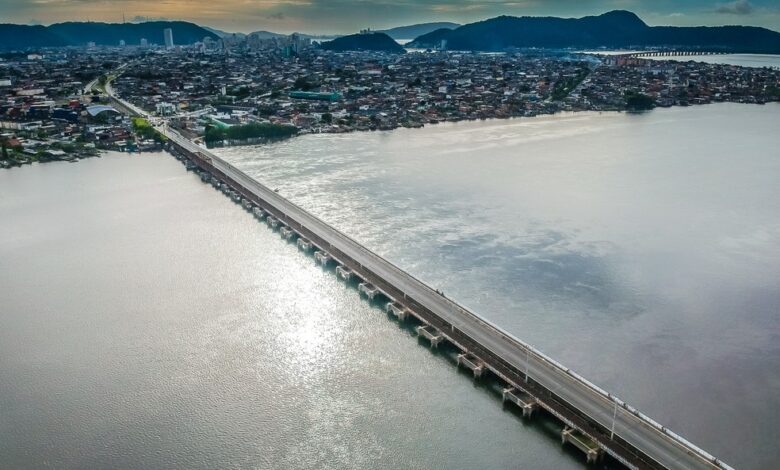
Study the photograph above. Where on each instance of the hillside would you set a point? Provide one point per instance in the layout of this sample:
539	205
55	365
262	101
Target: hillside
364	42
106	34
616	29
417	30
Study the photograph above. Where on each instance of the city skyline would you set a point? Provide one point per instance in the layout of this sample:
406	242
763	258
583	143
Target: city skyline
345	16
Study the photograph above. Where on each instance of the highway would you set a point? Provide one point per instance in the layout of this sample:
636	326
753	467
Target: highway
662	446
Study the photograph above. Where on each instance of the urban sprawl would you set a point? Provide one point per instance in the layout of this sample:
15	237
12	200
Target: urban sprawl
57	104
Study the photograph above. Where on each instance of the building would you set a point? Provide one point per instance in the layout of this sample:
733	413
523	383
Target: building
166	109
168	33
310	95
122	43
144	42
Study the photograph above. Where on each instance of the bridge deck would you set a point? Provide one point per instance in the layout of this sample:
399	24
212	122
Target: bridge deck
638	442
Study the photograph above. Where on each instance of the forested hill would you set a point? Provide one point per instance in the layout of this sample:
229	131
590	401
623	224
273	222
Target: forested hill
364	42
19	37
616	29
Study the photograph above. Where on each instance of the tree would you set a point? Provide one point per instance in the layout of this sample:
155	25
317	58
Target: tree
5	152
638	101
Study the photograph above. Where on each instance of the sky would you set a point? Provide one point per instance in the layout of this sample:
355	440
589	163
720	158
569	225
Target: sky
347	16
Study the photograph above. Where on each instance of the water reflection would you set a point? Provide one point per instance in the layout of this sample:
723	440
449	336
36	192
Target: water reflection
641	250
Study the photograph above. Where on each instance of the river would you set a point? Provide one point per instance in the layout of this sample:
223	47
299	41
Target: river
148	321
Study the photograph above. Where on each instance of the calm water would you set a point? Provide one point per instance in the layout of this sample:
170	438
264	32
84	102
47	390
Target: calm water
641	250
743	60
148	321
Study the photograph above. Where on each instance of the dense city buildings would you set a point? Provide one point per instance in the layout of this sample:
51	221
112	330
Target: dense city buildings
51	98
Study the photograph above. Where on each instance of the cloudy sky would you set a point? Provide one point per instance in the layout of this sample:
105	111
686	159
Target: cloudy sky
343	16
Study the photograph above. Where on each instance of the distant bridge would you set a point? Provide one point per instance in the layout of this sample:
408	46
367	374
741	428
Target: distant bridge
670	53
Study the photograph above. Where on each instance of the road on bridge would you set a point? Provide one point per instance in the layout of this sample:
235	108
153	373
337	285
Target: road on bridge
668	450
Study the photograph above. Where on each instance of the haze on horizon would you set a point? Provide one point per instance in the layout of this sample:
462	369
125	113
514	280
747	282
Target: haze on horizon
347	16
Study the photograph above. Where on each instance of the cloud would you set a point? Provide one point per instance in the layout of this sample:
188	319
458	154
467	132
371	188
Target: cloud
737	7
143	19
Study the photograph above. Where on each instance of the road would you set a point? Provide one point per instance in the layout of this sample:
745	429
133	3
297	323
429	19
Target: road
668	450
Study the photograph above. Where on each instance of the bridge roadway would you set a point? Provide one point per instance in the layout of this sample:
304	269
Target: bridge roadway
638	441
569	388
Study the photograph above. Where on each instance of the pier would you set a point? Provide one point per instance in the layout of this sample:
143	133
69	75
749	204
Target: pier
322	257
344	273
472	362
526	402
430	333
398	310
594	421
369	290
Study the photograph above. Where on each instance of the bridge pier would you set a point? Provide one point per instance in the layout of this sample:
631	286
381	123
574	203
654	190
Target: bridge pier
344	272
472	362
592	451
369	290
287	233
398	310
272	222
322	257
304	244
430	333
526	402
259	213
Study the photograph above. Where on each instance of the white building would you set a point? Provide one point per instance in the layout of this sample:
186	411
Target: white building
166	109
168	33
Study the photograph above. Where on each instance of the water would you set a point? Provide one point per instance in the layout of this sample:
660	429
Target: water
148	321
643	250
742	60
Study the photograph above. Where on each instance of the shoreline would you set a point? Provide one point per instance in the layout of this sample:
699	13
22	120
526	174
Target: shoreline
451	122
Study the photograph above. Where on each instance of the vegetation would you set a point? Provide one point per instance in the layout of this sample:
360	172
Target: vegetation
250	131
615	29
365	42
566	85
145	131
638	101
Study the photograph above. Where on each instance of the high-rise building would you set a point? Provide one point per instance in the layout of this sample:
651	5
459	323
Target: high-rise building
168	33
121	43
144	42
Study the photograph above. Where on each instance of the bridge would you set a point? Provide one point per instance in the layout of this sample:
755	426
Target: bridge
670	53
594	421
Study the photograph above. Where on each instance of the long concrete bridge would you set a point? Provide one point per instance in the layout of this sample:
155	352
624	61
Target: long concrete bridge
670	53
595	421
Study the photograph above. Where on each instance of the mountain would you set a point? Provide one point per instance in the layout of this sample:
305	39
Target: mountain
364	42
267	35
223	34
16	36
616	29
106	34
417	30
